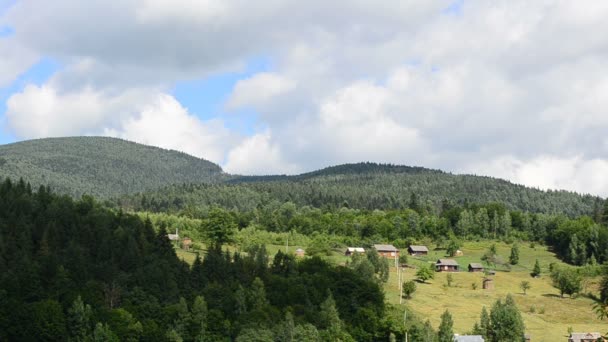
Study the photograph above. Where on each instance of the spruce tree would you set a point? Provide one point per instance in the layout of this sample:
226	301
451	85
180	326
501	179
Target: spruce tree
79	320
514	257
536	270
446	333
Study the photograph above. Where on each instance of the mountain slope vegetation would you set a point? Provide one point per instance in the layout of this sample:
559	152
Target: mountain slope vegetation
150	178
367	186
101	166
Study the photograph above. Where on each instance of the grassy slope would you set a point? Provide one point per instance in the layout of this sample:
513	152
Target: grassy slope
101	166
431	299
465	304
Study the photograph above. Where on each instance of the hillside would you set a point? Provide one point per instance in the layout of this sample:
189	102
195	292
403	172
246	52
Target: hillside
101	166
363	186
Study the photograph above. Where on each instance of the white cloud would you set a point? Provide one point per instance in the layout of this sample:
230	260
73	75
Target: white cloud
258	89
167	124
520	84
257	155
14	59
146	116
549	172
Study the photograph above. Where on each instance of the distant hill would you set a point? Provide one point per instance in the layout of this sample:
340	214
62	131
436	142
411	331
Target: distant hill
102	166
144	177
366	186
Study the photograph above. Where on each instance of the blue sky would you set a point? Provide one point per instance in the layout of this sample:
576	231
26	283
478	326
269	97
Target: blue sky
514	89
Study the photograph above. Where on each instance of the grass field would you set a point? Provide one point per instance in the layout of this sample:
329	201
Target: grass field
552	315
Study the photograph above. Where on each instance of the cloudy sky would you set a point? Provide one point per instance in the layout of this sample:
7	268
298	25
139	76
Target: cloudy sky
512	89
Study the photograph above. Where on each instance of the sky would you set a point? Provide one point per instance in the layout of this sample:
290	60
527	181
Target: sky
510	89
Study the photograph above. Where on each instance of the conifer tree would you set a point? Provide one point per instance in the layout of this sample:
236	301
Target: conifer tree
536	270
514	257
79	320
445	332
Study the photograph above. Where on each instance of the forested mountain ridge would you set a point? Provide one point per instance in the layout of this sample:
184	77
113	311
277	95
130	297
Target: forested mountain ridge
101	166
151	178
365	186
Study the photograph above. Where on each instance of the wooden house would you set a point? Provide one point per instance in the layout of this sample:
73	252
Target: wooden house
585	337
488	284
352	250
300	252
446	265
417	250
387	251
468	338
476	267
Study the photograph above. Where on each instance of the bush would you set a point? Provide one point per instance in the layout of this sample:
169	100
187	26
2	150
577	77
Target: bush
409	287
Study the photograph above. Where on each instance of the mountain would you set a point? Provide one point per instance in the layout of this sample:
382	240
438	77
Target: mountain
102	166
149	178
366	186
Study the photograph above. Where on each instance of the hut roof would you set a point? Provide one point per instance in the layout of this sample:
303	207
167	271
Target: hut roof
447	262
415	248
356	249
577	337
386	248
475	265
469	338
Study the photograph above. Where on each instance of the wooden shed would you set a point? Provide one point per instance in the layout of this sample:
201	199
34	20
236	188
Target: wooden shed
300	252
446	265
417	250
387	251
476	267
488	284
186	243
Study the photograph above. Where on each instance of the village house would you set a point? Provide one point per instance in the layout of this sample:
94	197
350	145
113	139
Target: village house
586	337
174	237
417	250
387	251
352	250
300	252
468	338
446	265
476	267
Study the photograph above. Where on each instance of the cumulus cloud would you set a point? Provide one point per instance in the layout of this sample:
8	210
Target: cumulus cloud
506	88
142	115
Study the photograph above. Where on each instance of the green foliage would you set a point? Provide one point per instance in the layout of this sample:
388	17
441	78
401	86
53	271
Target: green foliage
525	286
101	166
453	246
514	257
409	287
566	280
67	264
536	270
219	227
506	323
425	273
445	332
449	279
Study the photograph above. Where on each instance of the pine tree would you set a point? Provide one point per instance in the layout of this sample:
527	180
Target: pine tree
446	333
198	318
79	320
506	323
484	322
536	270
514	257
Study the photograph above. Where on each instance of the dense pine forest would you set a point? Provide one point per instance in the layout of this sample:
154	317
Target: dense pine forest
76	270
161	180
101	166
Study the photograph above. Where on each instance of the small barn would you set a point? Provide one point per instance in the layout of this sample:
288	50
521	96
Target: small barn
585	337
468	338
475	267
488	284
387	251
417	250
446	265
186	243
300	252
353	250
